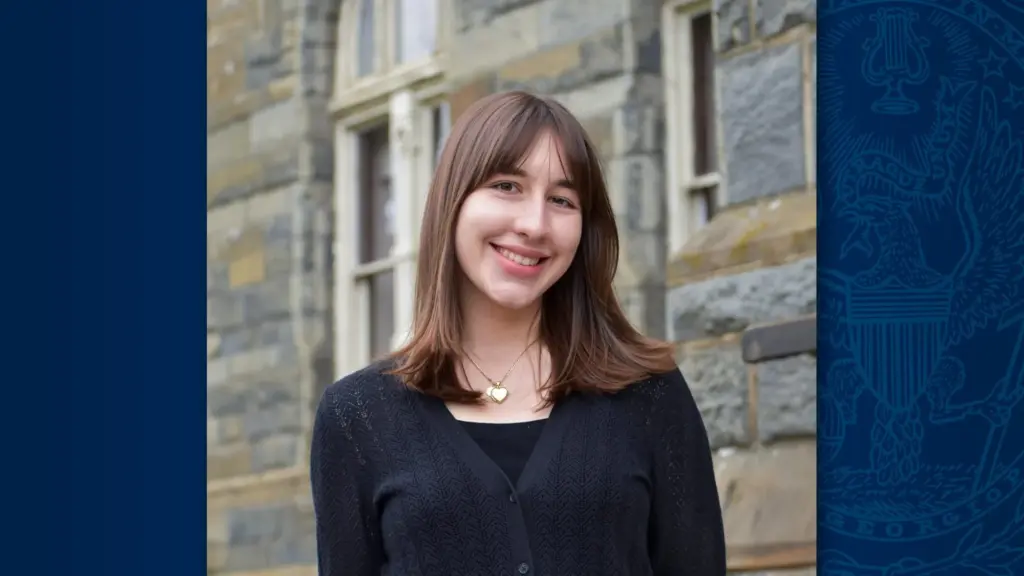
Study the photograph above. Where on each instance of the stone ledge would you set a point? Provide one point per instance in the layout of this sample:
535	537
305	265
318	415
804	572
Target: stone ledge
233	487
780	340
309	570
781	556
770	232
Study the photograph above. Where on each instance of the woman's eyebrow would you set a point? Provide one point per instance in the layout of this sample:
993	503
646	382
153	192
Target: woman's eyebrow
520	173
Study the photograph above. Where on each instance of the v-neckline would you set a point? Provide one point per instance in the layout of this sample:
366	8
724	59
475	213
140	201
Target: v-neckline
544	450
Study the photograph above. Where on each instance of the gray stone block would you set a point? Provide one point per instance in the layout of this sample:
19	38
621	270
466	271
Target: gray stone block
293	550
761	102
266	301
224	311
787	398
275	452
217	277
718	379
564	22
473	13
265	404
733	23
276	333
256	524
267	421
732	303
234	341
245	558
284	534
224	401
776	16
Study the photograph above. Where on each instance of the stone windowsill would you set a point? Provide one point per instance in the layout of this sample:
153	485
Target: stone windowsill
767	233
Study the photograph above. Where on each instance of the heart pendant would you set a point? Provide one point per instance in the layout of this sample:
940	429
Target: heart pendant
497	393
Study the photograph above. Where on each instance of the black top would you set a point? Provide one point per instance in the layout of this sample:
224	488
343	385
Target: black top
508	445
616	484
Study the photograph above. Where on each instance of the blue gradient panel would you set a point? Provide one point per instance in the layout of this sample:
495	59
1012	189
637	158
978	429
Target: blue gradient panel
107	229
921	287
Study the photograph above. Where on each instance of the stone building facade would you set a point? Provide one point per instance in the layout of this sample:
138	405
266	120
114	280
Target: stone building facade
324	120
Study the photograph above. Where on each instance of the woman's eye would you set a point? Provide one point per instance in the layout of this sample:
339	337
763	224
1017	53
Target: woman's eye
505	186
563	202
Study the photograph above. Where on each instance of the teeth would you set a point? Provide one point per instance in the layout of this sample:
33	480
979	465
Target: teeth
521	260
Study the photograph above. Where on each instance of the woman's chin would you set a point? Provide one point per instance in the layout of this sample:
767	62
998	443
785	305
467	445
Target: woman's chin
512	299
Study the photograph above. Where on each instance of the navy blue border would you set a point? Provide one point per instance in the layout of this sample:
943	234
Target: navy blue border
921	284
106	231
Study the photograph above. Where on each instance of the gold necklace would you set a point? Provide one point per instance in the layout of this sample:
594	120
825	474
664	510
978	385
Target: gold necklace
497	392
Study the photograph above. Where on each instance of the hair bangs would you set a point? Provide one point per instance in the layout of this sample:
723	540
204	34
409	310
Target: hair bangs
508	135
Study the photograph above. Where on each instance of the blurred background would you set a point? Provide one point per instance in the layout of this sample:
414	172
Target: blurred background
325	118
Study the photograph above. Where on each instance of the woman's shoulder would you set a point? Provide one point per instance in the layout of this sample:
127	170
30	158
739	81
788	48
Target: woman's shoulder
655	388
357	394
662	397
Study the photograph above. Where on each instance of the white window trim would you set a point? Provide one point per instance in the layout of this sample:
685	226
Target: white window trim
403	96
677	59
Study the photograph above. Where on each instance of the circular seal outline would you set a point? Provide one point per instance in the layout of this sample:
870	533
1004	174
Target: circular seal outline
1010	481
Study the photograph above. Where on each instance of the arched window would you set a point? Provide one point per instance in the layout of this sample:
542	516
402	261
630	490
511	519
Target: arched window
381	38
390	122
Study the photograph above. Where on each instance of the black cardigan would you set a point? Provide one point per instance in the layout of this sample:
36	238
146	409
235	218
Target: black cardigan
617	484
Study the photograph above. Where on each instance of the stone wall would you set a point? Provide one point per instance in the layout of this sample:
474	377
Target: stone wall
742	294
269	183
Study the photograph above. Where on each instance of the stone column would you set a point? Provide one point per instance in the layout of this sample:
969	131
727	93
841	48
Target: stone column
269	276
404	149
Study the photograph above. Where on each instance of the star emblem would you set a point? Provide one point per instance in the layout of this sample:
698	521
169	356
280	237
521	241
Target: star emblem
993	64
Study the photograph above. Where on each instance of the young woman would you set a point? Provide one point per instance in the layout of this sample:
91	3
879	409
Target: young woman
526	427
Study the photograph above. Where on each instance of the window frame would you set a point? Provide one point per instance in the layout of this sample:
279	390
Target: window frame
403	96
678	72
352	91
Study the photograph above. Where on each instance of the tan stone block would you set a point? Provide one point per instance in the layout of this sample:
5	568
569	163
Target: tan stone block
461	98
550	63
212	344
512	35
600	129
769	504
216	527
228	461
767	233
225	70
248	269
249	170
227	110
283	88
242	13
229	429
310	570
216	556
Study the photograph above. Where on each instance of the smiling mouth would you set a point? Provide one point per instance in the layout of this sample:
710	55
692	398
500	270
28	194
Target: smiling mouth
517	258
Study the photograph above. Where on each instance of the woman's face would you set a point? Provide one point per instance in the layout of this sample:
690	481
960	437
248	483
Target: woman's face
518	233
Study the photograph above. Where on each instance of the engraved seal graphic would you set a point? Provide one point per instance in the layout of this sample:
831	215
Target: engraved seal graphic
921	302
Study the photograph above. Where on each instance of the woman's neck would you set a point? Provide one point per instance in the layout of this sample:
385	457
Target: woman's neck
490	330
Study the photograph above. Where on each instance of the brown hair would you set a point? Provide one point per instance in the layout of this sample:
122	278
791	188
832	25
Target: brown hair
592	345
